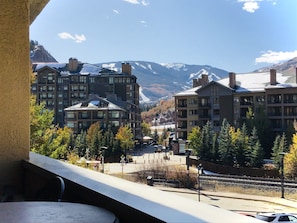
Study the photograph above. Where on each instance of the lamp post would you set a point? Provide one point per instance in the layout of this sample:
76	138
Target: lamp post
122	161
102	149
282	155
188	153
200	171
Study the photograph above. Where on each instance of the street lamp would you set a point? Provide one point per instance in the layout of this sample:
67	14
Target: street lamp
102	149
199	172
282	156
188	153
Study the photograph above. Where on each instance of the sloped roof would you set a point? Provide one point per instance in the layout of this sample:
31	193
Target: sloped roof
84	69
246	82
188	92
95	103
256	82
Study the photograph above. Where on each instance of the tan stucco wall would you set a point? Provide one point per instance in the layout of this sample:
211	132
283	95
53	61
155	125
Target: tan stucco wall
14	88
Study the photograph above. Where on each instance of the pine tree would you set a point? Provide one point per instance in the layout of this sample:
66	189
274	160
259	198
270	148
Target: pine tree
206	142
280	146
256	152
226	155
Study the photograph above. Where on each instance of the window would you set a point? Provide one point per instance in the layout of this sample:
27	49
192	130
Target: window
82	79
193	112
115	123
192	101
69	114
84	114
246	100
70	124
216	101
110	80
274	98
114	114
100	114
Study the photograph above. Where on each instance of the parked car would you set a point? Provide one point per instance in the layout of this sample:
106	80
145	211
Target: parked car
277	217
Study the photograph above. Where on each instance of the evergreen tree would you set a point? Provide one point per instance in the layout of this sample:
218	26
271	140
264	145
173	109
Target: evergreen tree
280	146
260	121
239	146
226	155
256	154
206	142
215	149
81	144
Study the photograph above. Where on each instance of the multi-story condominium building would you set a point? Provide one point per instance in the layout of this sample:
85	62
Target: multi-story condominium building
231	98
96	109
62	85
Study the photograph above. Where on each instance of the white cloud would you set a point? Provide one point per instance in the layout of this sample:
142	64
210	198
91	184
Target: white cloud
132	1
250	6
143	2
253	5
115	11
275	57
77	38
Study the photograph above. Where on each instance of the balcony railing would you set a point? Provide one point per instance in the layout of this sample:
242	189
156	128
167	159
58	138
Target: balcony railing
129	201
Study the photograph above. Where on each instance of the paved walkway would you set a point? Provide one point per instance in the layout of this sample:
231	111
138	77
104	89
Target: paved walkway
242	203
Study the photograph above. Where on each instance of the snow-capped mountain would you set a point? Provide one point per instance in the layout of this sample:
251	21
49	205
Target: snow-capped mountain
162	81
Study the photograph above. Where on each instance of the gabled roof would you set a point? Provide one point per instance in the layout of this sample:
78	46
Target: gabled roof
95	103
215	83
188	92
56	66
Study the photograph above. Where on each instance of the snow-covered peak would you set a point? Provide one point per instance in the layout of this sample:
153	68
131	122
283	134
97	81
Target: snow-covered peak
175	66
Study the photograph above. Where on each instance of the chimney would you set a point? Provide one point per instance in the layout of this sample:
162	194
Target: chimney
195	83
272	76
204	79
232	80
126	68
73	64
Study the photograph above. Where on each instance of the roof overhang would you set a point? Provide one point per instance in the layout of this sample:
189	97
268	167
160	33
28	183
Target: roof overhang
36	6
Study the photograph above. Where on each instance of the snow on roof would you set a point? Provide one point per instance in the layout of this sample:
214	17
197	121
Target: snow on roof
90	69
255	82
52	65
94	104
188	92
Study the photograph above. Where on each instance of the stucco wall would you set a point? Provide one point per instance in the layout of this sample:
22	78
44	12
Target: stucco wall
14	88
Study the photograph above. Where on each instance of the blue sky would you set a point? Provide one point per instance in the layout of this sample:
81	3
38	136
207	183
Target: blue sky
234	35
